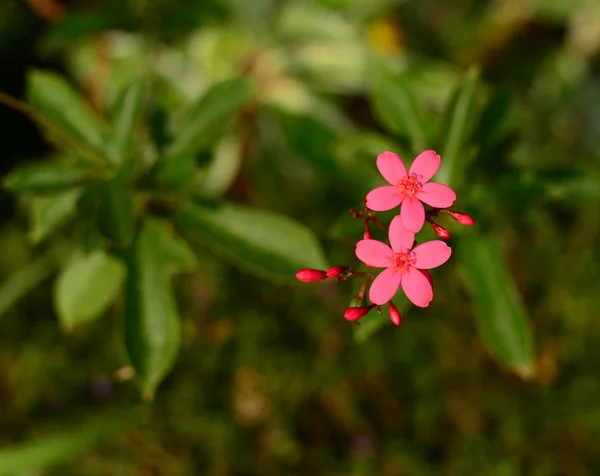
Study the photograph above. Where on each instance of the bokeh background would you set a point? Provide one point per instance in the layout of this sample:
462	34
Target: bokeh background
499	376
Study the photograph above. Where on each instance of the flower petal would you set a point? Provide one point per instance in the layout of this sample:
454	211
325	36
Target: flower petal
412	214
425	165
391	167
400	238
416	287
385	286
374	253
437	195
384	198
431	254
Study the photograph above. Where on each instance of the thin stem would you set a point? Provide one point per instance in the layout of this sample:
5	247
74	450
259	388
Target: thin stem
363	289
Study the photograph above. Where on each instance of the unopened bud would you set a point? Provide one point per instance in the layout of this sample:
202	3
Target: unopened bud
462	218
367	235
440	231
394	313
428	276
355	313
335	271
308	275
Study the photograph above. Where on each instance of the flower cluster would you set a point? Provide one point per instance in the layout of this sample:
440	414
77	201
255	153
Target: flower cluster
405	263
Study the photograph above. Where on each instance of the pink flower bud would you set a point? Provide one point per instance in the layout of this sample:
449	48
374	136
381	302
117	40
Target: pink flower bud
394	313
440	231
355	313
462	218
367	235
308	275
335	271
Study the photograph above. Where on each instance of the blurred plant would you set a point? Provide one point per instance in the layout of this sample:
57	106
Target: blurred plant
135	188
197	117
131	198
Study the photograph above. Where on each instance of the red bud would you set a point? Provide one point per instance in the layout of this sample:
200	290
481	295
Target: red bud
355	313
394	313
428	276
335	271
440	231
462	218
308	275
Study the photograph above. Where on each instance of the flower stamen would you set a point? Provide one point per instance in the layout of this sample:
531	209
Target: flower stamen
410	185
402	262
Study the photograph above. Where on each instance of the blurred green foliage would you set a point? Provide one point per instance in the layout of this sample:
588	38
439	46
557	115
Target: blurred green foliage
196	154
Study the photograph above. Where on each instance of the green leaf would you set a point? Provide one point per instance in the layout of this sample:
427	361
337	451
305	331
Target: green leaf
116	218
571	185
56	99
501	317
308	137
355	156
212	112
263	242
48	177
78	25
173	173
56	449
224	167
50	213
28	278
126	115
152	328
86	287
395	106
493	124
349	160
457	126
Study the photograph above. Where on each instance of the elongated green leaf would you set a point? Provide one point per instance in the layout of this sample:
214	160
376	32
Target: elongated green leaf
49	451
225	165
125	118
51	95
458	123
349	160
116	219
77	25
501	317
48	177
310	138
210	115
152	329
356	155
86	287
569	184
26	279
49	213
396	107
263	242
493	124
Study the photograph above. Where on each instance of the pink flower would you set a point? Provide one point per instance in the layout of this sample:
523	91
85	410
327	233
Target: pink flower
403	265
410	189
